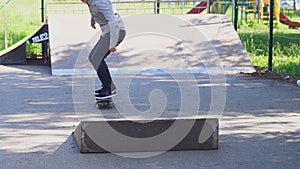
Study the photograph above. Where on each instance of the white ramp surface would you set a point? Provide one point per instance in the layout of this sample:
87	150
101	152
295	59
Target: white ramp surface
153	44
68	38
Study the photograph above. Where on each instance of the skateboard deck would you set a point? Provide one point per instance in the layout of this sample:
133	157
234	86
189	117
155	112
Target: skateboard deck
104	103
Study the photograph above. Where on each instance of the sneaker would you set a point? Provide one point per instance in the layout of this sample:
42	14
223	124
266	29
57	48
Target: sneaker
113	90
105	93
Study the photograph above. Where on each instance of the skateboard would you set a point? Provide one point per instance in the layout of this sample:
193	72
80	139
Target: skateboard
104	103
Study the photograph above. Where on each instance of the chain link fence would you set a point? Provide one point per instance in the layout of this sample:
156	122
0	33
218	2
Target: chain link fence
126	7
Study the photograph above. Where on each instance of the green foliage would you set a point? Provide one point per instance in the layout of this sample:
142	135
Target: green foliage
291	14
242	24
253	23
33	50
2	44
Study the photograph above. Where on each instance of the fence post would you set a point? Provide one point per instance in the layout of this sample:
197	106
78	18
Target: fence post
208	6
157	6
43	10
235	14
271	17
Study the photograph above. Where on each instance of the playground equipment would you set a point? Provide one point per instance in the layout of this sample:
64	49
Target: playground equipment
278	16
214	6
259	8
287	21
264	10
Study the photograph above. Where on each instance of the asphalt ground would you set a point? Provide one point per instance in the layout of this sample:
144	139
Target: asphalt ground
259	127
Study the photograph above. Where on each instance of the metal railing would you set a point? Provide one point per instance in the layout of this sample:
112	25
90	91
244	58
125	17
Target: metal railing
129	7
65	8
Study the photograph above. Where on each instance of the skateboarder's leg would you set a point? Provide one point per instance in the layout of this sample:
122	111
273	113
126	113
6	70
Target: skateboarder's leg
100	50
104	76
96	57
106	80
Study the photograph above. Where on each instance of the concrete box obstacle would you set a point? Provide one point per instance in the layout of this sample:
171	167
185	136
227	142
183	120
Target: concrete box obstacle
122	136
207	42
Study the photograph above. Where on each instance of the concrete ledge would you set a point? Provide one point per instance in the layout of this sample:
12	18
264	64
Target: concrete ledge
89	135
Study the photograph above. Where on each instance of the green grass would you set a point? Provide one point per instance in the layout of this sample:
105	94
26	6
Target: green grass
286	47
286	43
23	17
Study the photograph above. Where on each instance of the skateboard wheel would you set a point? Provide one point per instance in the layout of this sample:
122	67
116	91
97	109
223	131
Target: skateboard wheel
103	105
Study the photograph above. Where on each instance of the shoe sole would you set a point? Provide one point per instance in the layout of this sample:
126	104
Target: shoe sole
105	97
114	91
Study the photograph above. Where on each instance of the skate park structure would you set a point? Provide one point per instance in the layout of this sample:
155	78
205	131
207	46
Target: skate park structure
16	54
67	46
187	45
258	129
161	53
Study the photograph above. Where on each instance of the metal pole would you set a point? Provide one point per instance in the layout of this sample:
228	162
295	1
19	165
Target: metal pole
43	10
258	11
157	7
208	6
235	14
271	17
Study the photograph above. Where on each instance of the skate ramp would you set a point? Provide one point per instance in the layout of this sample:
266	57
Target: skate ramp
16	54
154	44
69	34
154	74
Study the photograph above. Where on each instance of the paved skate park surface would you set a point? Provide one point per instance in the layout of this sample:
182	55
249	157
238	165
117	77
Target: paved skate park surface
258	129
